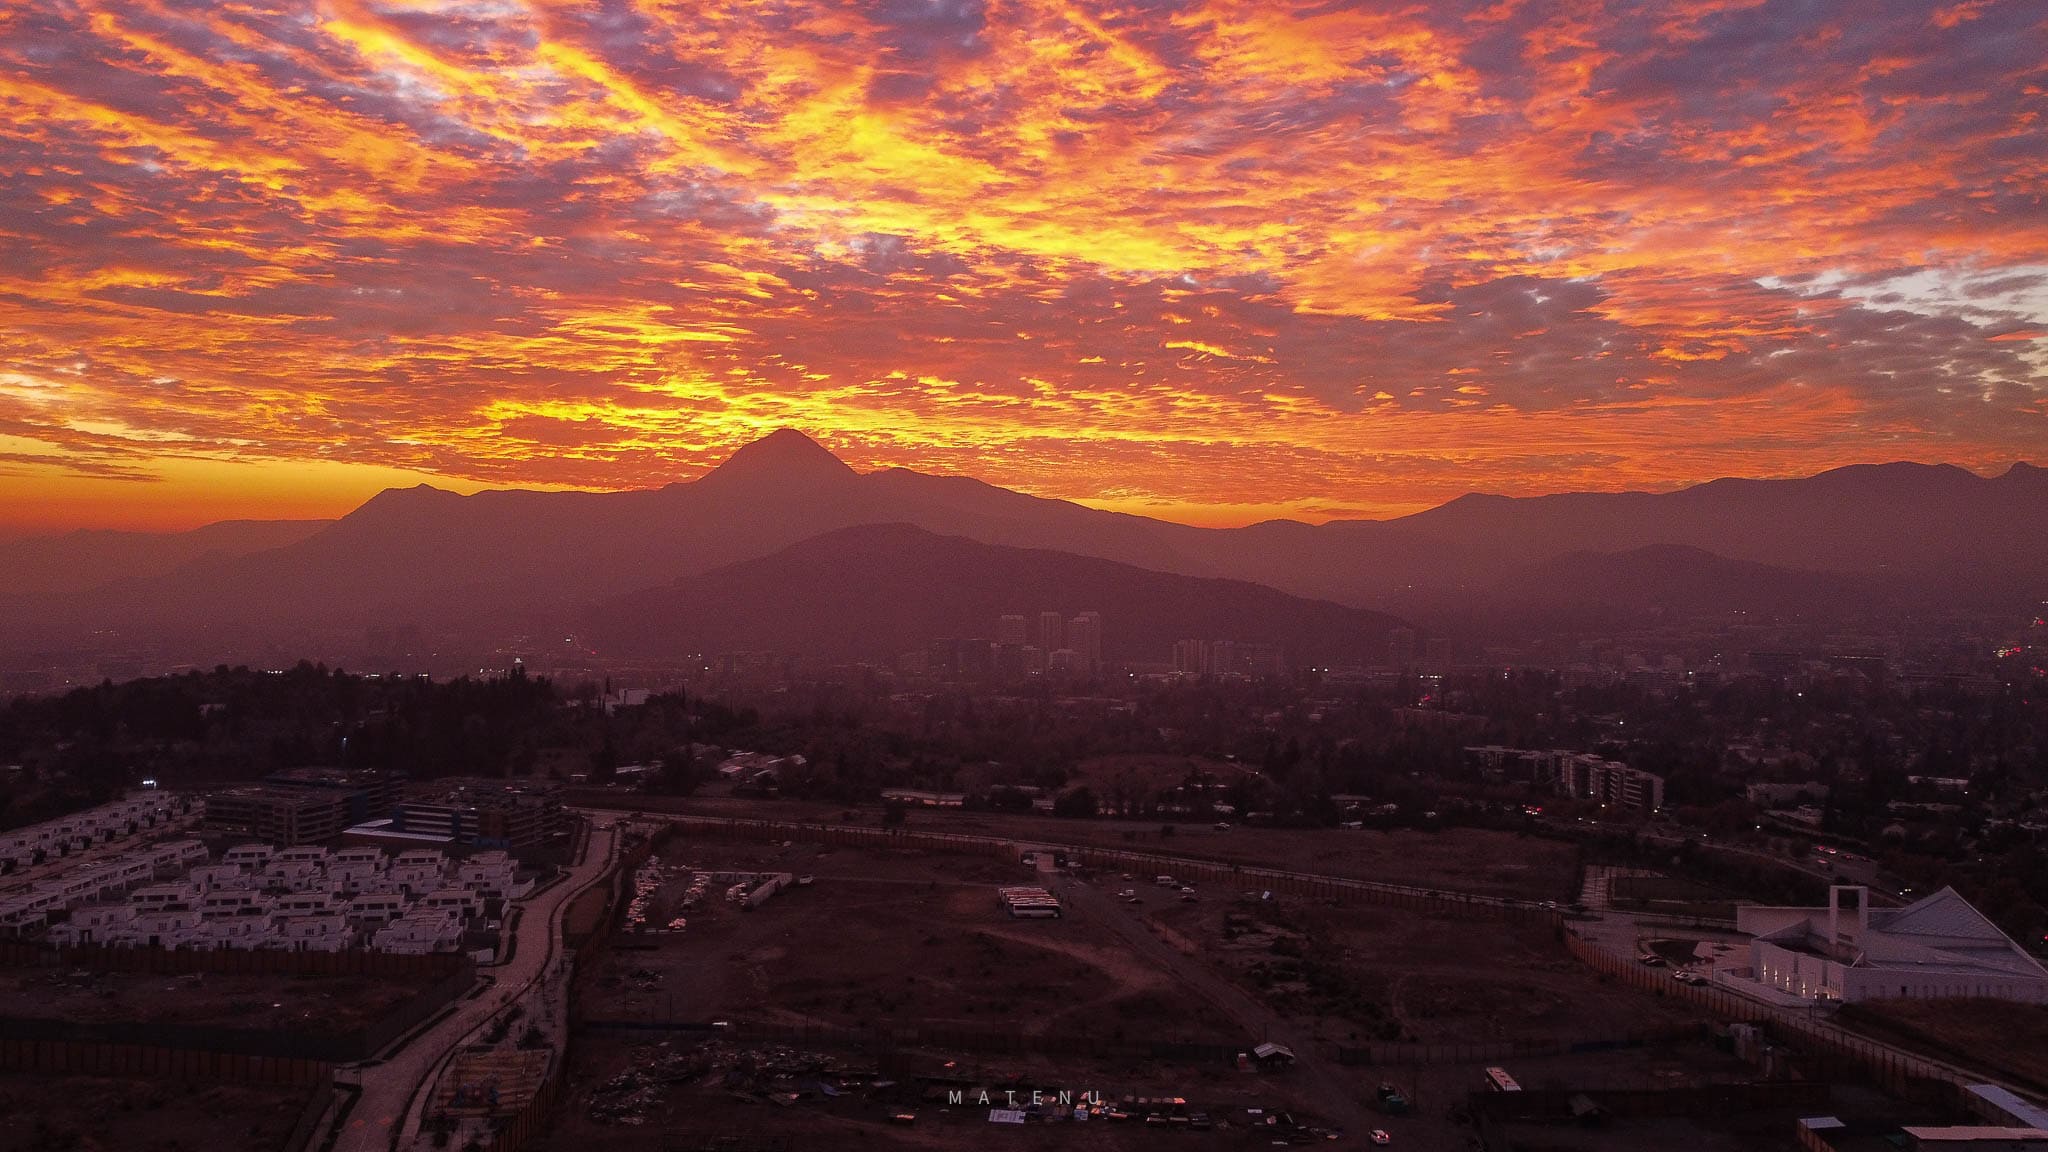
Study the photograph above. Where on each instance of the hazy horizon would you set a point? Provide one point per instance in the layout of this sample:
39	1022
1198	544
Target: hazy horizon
23	531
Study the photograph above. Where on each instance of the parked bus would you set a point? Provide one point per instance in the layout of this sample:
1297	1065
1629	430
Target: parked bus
1498	1080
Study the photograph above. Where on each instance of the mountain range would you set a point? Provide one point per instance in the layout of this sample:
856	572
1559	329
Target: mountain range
510	559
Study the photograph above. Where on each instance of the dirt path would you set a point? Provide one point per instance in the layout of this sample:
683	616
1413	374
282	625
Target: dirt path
1335	1096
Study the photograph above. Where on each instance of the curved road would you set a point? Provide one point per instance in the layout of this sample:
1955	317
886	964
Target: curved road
394	1093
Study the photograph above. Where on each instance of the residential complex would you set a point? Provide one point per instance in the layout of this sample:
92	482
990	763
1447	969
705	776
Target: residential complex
260	896
1576	775
139	812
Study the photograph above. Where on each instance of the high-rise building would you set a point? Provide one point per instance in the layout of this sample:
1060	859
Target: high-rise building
1084	636
1051	631
1436	653
1401	647
1585	776
1189	657
1013	629
977	657
1220	657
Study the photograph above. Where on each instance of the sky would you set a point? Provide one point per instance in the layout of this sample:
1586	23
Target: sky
1212	260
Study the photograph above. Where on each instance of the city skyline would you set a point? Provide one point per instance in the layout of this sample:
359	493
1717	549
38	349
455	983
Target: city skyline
1214	265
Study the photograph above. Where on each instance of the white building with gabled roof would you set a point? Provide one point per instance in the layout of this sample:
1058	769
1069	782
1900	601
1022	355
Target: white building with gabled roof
419	933
208	877
1939	947
322	933
93	924
377	908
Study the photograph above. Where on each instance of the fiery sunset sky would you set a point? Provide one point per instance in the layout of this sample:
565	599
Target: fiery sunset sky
1212	260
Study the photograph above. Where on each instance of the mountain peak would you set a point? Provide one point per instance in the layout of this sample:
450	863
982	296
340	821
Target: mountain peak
783	455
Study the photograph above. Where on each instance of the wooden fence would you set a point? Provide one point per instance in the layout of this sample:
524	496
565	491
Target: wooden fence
106	1058
178	1050
100	958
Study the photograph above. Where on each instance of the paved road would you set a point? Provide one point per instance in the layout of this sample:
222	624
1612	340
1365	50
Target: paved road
394	1093
1336	1097
1850	868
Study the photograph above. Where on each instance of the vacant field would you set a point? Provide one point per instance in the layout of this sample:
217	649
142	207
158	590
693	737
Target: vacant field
1440	1093
1359	975
91	1114
1995	1035
1458	859
336	1004
886	938
642	1097
1748	1132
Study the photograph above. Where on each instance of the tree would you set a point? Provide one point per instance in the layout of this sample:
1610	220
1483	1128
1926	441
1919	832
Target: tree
678	775
1078	802
1003	799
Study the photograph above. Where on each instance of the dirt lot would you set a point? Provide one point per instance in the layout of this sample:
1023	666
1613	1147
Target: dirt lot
327	1003
1459	859
89	1114
919	940
634	1096
636	1093
1753	1132
1995	1035
1359	975
880	938
1439	1095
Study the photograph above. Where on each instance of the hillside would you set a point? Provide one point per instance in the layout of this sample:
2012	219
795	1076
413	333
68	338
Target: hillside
874	591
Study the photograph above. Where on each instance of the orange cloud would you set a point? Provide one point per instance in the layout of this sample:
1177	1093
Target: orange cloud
1219	260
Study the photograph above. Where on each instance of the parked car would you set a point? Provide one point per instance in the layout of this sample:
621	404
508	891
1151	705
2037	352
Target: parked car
1379	1136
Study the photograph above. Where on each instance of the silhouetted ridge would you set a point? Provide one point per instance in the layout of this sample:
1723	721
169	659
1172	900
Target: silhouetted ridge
517	561
785	456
